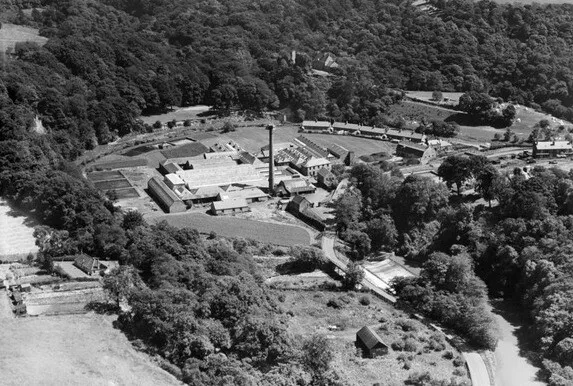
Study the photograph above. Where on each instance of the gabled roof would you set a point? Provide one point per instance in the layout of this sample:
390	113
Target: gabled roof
316	162
321	124
233	203
369	337
85	263
162	191
413	146
174	179
549	145
299	200
297	185
324	172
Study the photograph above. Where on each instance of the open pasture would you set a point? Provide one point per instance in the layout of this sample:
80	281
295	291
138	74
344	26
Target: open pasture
265	232
112	184
73	350
10	34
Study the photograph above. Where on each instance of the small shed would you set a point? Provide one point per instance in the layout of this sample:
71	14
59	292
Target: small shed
234	205
88	264
370	343
26	287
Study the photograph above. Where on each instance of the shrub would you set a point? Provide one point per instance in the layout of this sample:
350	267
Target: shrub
419	379
365	300
282	298
448	355
407	365
397	345
459	361
459	372
407	325
279	252
335	303
410	345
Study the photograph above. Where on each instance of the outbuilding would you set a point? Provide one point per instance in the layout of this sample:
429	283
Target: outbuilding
231	206
165	196
326	178
370	343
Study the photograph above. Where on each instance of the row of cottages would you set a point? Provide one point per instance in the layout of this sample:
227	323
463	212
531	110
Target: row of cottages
361	130
552	149
416	150
165	197
230	206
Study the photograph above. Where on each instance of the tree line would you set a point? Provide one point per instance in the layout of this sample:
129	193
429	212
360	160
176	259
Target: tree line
514	245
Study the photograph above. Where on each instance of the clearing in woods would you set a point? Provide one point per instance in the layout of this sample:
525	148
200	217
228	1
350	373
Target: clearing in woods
73	350
17	236
10	34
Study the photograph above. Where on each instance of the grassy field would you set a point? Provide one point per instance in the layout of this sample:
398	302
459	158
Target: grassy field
312	315
16	234
73	350
10	34
102	176
264	232
526	118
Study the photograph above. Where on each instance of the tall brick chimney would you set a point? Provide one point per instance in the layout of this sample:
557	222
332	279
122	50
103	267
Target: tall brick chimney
271	128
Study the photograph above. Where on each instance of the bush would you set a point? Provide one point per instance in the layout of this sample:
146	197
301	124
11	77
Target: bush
407	325
335	303
282	298
459	361
459	372
448	355
397	345
365	300
410	345
407	365
278	252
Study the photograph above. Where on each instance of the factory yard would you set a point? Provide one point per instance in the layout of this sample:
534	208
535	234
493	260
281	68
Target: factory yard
73	350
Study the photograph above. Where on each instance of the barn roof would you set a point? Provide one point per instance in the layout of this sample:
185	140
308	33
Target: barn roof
84	262
232	203
325	173
369	337
162	191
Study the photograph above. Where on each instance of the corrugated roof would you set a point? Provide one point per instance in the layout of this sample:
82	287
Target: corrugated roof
162	191
234	203
212	163
369	337
226	175
248	193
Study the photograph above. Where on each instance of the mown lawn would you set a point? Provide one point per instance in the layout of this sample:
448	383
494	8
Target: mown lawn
264	232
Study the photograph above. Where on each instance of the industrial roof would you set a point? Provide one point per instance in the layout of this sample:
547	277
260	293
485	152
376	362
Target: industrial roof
174	179
548	145
248	193
316	162
412	145
237	174
171	167
211	162
166	195
230	204
324	172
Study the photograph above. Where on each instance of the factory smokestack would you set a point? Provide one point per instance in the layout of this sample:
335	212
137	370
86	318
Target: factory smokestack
271	128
